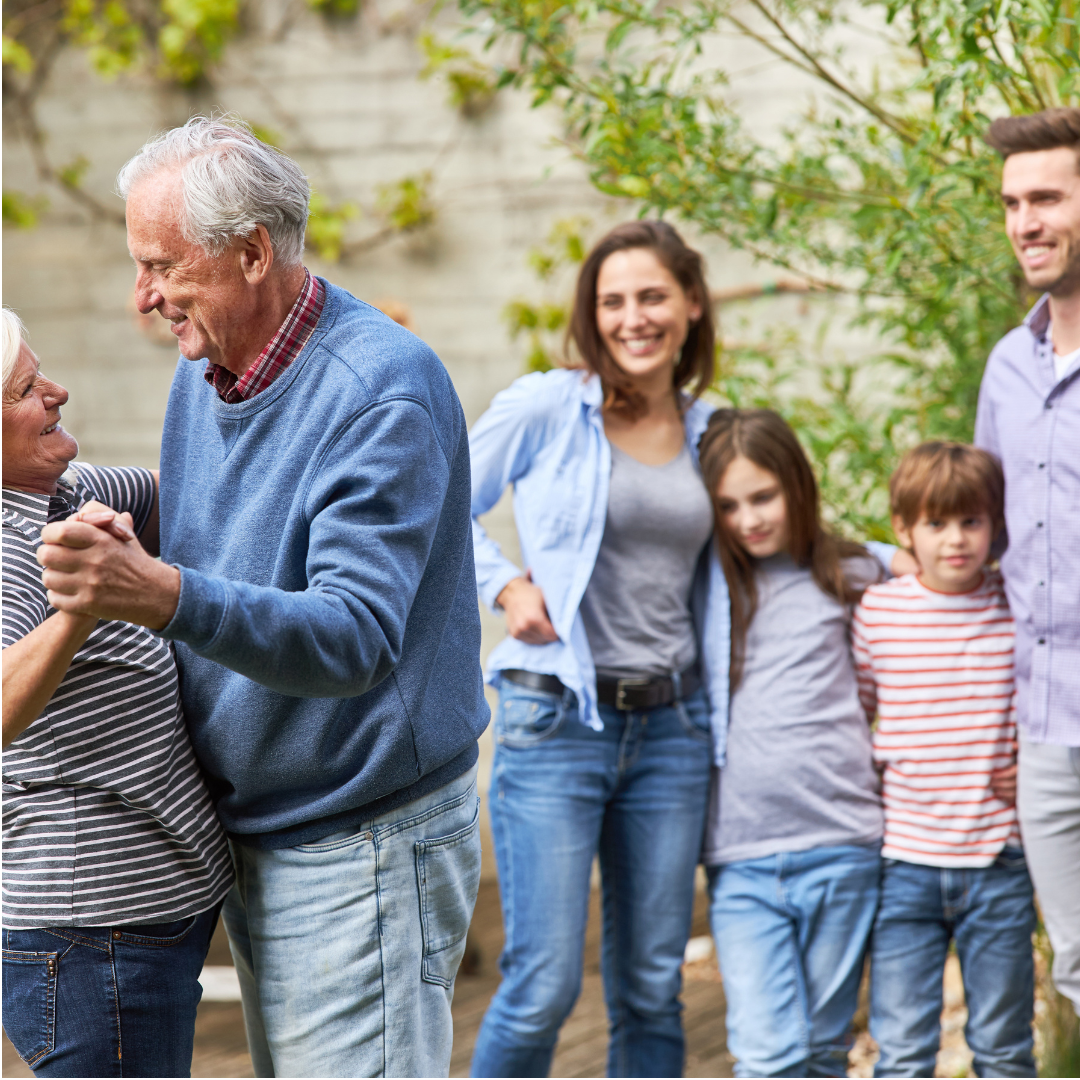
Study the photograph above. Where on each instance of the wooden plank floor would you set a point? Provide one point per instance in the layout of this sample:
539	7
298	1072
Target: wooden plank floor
221	1049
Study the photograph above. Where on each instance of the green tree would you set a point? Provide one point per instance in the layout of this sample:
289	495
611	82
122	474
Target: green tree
881	190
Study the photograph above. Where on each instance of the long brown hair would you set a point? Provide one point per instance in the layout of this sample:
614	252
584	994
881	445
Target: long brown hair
698	356
763	437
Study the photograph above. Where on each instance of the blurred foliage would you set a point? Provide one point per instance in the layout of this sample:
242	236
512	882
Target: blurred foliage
882	190
406	204
471	85
22	211
543	323
326	226
336	9
1057	1032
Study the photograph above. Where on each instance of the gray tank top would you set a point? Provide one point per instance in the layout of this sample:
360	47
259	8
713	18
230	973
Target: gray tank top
636	607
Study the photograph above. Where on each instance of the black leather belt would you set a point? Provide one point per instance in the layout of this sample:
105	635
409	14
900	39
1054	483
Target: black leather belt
648	692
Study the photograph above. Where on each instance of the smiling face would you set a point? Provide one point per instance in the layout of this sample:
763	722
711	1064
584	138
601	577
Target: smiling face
753	509
951	549
1041	192
36	448
642	314
206	299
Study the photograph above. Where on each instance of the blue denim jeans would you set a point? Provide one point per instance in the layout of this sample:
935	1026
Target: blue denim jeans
990	915
791	934
636	793
347	949
106	1000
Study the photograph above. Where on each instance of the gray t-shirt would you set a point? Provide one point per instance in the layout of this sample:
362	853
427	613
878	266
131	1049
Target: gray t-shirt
799	773
636	607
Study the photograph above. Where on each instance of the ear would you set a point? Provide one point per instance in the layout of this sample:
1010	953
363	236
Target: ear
256	255
903	533
695	309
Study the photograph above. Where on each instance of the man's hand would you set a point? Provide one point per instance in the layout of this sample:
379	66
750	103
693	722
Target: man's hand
1003	784
526	613
94	565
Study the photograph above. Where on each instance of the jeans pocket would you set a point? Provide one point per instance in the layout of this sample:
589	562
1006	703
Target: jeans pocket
29	996
527	717
159	935
694	715
448	873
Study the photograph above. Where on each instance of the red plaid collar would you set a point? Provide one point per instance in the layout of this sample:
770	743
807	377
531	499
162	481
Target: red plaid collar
283	348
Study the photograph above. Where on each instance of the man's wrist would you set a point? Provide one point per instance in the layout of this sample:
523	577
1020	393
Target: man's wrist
164	597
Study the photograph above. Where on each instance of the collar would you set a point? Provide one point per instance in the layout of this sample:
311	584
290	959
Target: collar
22	508
1038	318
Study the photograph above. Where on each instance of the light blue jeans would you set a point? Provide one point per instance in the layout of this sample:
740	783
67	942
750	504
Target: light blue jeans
791	934
990	914
347	949
636	793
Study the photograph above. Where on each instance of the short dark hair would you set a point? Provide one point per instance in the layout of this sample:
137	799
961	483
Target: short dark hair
1046	130
698	356
940	479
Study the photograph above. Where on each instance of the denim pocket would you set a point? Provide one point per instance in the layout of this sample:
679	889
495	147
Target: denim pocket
29	995
694	715
448	873
527	717
159	935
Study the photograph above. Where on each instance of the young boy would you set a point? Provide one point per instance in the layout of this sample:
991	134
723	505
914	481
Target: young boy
934	654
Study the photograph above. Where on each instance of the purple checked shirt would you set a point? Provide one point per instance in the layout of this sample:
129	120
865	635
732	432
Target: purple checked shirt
1031	420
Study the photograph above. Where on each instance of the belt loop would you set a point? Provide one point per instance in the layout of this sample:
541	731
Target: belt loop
676	685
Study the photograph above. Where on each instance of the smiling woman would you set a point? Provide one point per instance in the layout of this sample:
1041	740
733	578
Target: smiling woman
114	862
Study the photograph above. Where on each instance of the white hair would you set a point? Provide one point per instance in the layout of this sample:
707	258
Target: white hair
232	182
14	336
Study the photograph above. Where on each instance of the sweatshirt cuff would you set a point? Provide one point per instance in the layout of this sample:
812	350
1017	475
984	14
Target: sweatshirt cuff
199	612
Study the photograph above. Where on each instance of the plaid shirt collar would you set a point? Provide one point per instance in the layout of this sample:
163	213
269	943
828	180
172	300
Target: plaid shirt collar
283	348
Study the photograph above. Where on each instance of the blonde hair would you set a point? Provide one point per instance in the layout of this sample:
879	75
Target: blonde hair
14	336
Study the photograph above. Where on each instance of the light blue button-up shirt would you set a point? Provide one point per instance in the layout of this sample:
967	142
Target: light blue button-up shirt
1030	419
545	435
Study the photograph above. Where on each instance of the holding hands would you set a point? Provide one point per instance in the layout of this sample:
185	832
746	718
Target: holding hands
95	565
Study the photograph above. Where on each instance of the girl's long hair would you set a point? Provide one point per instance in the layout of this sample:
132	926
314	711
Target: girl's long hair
698	356
763	437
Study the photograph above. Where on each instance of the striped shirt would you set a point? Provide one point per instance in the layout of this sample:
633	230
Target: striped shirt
938	670
106	817
280	351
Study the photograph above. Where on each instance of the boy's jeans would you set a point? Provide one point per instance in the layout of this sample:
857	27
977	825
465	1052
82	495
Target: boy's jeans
636	792
990	914
791	933
106	1000
347	949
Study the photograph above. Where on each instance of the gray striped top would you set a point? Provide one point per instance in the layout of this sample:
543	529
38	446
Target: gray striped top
106	817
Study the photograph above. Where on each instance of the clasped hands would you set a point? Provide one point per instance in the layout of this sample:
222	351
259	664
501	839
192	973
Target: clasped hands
95	565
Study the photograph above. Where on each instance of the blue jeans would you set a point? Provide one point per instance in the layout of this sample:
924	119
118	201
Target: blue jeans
347	949
106	1000
635	792
990	915
791	934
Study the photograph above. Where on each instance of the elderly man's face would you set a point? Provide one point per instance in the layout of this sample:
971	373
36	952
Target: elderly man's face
206	299
36	448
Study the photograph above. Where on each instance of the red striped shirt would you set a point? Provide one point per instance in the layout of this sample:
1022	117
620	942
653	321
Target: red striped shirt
282	349
937	669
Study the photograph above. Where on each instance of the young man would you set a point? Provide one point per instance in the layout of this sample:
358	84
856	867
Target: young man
934	652
1029	417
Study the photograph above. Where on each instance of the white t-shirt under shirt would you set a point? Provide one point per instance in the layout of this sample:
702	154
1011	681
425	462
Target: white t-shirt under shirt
1063	363
938	668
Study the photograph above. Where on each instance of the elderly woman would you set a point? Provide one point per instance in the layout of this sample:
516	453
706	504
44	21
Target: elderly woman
114	862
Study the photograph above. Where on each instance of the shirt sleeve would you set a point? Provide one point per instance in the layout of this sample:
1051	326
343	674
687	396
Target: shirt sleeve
884	554
864	665
125	490
502	445
374	514
26	604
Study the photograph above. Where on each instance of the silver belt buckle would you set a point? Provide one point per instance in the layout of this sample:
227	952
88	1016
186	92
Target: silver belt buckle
627	684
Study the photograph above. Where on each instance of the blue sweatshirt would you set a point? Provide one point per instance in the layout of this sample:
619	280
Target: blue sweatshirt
327	633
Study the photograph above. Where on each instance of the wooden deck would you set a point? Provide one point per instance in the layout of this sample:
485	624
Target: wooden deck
221	1049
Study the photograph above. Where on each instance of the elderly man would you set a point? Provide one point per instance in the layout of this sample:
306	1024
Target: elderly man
317	582
1029	416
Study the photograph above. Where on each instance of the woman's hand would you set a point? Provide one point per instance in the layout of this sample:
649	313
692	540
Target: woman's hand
526	613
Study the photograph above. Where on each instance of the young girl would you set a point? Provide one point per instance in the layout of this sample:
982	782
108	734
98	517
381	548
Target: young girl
795	821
